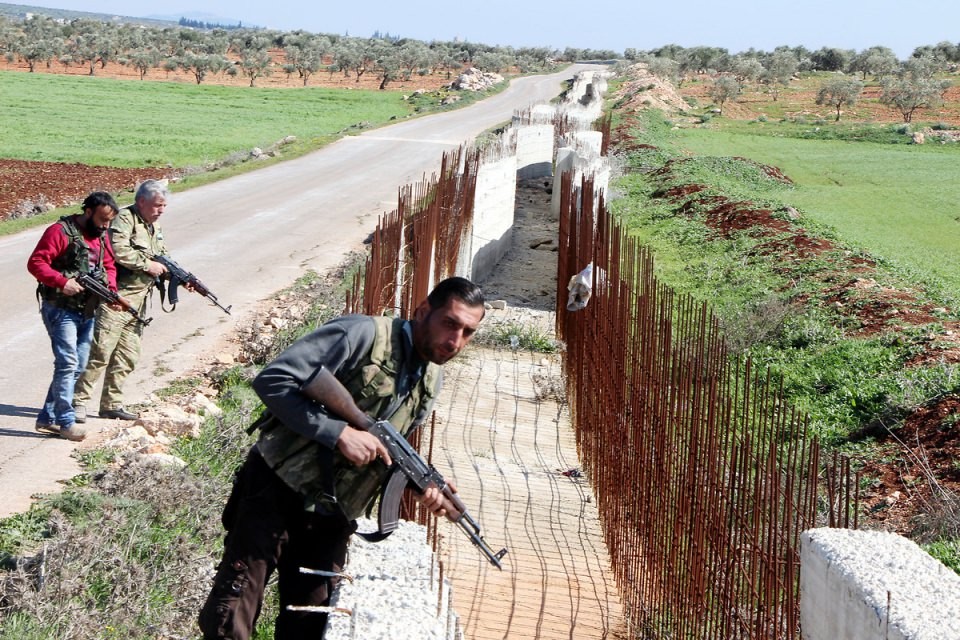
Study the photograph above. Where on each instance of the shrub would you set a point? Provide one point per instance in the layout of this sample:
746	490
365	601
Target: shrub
518	335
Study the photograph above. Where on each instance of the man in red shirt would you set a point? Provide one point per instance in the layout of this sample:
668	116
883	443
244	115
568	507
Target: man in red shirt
73	245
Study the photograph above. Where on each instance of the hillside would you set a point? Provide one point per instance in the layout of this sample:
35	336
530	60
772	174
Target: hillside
21	11
906	453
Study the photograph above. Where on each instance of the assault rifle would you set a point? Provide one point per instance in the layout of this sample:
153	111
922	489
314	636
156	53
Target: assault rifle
408	469
91	282
178	275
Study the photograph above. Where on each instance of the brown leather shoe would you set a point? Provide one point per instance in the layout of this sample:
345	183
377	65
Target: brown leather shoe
74	433
47	429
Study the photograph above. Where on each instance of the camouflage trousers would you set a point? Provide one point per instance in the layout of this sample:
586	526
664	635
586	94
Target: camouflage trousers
114	354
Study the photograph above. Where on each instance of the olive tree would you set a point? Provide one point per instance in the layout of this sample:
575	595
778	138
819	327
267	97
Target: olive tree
722	89
906	94
306	55
411	56
838	92
92	42
387	61
945	51
780	70
492	62
200	64
39	42
143	60
746	69
256	63
702	59
875	61
831	59
666	69
915	86
351	54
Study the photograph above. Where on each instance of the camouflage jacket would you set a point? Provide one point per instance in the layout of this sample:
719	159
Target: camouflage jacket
375	360
134	243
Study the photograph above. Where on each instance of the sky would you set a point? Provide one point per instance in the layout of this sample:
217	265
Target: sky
736	25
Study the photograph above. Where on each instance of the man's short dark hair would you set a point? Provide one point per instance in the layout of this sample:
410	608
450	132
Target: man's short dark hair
99	199
455	287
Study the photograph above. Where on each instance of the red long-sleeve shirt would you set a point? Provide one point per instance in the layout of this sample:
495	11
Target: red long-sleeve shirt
54	242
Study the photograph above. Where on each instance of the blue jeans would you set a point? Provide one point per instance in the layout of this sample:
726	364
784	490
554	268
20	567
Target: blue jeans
70	336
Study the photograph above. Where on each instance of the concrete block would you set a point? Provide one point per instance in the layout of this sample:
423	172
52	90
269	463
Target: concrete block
873	585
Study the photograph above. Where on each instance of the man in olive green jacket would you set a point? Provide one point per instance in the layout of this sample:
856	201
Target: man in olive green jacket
281	514
136	239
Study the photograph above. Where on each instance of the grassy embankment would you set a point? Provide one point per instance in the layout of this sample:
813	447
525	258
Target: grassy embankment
898	201
873	200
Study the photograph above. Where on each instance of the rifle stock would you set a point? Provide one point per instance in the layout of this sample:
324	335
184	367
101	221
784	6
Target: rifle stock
409	468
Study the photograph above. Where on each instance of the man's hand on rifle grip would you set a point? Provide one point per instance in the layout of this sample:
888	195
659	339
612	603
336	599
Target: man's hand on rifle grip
434	501
155	269
437	502
71	288
362	447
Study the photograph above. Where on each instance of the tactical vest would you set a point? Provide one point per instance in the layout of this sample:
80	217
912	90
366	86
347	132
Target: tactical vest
305	465
71	263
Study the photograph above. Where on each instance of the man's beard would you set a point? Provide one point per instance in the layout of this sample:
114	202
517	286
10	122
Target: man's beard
93	230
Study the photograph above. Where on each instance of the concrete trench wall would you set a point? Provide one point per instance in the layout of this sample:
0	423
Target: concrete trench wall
529	152
873	585
534	150
492	228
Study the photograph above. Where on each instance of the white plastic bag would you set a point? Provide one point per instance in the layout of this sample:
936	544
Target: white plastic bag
580	289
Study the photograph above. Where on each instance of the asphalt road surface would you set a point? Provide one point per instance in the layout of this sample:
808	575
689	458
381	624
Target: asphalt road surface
246	237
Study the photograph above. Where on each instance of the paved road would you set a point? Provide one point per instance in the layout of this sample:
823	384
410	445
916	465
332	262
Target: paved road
246	237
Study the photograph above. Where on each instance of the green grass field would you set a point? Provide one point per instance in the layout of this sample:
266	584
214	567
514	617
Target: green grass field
100	121
899	201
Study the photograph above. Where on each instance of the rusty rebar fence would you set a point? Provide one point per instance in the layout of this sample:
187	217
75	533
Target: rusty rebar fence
704	476
419	242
